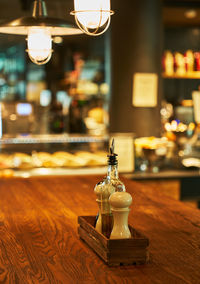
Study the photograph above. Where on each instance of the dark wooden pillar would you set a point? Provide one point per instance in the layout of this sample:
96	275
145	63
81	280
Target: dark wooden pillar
136	47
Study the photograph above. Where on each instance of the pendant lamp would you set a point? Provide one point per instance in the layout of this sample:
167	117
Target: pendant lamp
92	16
39	29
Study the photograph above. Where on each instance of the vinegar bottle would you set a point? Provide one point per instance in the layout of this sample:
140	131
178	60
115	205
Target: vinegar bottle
111	184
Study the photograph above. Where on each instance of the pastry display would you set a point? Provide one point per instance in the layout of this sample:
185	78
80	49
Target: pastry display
43	159
69	160
21	161
93	159
57	159
7	173
5	161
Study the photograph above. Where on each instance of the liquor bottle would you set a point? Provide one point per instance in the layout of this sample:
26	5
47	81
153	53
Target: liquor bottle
168	63
189	61
104	190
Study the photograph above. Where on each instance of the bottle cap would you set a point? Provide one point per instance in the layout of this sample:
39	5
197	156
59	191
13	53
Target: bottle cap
112	157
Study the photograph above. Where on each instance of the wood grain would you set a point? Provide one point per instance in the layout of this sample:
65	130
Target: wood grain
39	242
114	252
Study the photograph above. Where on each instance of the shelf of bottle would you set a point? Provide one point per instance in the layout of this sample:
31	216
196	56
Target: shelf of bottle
53	139
188	75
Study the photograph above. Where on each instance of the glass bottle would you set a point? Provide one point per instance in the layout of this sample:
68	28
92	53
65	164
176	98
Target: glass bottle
110	184
112	173
98	189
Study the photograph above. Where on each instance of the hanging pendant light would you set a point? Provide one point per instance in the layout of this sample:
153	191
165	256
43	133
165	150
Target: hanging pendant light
92	16
39	29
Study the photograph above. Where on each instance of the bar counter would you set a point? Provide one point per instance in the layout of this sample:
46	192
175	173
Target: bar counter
39	241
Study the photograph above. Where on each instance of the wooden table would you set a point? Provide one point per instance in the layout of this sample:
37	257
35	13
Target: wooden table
39	241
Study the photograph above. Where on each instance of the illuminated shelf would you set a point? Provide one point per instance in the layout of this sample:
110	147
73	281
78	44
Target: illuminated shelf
64	138
189	75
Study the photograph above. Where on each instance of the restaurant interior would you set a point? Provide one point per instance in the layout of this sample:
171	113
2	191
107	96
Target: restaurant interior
129	86
86	94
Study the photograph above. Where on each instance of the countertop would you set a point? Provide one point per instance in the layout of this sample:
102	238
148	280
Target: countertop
39	241
165	174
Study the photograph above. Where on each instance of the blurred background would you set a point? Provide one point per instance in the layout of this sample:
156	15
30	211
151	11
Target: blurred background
96	88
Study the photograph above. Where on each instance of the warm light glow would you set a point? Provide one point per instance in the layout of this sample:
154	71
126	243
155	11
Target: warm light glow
175	126
57	39
190	14
39	45
168	126
91	15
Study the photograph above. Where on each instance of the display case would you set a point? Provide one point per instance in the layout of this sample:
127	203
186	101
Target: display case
54	117
59	154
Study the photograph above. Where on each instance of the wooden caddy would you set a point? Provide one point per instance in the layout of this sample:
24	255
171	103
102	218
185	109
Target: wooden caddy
113	251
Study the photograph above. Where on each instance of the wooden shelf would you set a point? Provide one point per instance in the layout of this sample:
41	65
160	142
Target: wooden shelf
189	75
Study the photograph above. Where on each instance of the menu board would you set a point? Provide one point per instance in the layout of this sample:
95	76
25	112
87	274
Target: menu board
124	147
196	103
145	89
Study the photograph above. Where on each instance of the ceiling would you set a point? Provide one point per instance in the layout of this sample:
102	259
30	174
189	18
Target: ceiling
182	3
175	16
12	9
173	10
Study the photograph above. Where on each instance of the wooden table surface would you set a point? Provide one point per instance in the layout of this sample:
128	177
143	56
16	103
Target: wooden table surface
39	241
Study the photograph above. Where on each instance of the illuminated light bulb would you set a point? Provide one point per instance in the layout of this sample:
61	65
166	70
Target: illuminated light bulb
57	39
39	28
92	16
39	44
168	126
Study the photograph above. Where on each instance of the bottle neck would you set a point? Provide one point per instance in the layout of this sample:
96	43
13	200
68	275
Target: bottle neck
113	171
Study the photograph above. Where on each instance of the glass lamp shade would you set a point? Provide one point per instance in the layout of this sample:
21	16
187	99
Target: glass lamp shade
39	44
92	16
39	28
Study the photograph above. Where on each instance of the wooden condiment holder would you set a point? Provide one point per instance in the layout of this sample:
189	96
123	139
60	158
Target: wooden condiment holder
114	252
